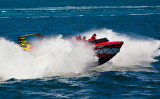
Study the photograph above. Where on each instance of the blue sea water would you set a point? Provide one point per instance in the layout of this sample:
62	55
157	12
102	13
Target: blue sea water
133	73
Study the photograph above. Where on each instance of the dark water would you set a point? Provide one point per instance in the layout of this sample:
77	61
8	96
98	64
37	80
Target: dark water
135	21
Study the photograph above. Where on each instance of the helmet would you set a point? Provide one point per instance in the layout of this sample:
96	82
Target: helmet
94	34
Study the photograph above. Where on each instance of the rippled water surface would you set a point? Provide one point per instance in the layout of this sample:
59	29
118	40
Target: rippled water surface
55	71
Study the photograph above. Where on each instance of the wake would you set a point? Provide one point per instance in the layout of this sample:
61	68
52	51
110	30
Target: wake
51	57
59	57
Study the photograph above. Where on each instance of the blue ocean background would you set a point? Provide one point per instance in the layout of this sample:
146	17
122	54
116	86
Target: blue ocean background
133	73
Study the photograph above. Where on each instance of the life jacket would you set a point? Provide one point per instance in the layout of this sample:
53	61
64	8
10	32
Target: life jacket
92	38
76	37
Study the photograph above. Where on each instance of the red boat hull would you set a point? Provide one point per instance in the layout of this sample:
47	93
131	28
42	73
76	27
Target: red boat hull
106	50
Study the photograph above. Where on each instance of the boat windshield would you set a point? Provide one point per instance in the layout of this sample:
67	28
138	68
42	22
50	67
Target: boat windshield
99	40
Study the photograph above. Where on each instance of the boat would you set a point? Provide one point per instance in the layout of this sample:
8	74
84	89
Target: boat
104	49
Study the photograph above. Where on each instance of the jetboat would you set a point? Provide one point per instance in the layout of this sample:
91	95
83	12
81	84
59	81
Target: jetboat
104	49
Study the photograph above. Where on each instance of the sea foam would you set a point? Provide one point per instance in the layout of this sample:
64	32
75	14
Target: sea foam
51	57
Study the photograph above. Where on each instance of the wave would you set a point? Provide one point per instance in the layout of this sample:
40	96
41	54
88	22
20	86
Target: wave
3	11
145	14
72	11
4	17
35	17
79	8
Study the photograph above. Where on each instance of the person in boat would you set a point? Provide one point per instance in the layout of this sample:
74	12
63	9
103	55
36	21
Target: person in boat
76	37
39	36
84	39
93	37
79	37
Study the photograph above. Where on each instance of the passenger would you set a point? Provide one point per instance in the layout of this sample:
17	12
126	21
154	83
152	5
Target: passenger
79	37
93	37
76	37
84	39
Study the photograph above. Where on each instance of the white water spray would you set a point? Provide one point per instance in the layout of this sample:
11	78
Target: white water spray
51	57
59	57
134	52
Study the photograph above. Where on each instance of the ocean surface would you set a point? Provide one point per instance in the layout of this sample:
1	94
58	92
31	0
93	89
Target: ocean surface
59	68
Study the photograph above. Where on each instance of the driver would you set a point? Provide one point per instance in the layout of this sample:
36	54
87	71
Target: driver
93	37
